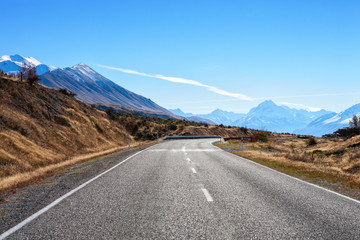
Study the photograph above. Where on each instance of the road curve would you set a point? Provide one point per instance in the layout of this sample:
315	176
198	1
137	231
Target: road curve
190	189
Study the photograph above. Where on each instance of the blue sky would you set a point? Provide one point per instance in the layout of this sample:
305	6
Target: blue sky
296	52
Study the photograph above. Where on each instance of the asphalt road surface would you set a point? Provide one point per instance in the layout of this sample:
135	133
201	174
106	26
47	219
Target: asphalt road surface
190	189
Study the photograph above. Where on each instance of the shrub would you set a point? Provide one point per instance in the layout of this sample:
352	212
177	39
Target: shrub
62	121
254	137
70	93
173	127
33	79
317	152
135	129
139	135
111	113
263	137
311	141
243	129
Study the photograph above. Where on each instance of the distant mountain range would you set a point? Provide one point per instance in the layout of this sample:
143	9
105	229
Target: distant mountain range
272	117
218	116
331	122
266	116
90	86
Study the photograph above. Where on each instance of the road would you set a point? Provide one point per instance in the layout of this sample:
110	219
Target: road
190	189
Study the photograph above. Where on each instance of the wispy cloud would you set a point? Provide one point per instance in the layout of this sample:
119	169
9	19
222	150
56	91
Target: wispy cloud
183	81
235	96
312	95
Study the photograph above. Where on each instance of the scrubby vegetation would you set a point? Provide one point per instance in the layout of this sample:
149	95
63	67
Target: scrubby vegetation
42	127
335	159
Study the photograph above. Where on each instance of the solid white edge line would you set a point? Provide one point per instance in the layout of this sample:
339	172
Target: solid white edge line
297	179
207	195
193	170
57	201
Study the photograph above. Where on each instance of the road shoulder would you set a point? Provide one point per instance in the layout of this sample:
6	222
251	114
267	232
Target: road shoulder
329	182
18	204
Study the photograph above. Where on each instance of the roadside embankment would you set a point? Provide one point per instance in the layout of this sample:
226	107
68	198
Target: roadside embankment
331	163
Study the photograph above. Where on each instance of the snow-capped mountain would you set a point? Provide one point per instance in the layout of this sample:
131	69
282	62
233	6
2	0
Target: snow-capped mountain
217	116
269	116
223	117
266	116
13	63
90	86
191	117
180	113
331	122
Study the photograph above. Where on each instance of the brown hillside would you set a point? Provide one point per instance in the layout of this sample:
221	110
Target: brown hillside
42	129
41	126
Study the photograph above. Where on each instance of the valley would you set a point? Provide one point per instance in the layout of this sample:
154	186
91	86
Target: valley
44	129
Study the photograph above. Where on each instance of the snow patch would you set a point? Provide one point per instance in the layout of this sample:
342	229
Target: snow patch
85	70
333	119
43	68
346	121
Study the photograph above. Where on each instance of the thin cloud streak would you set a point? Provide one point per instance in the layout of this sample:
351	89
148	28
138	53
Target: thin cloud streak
237	96
312	95
183	81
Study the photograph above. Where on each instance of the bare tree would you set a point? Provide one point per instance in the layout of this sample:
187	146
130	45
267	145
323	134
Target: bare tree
28	72
22	71
32	76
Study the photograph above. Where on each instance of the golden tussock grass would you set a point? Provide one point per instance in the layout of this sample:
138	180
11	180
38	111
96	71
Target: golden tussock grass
334	160
19	179
42	129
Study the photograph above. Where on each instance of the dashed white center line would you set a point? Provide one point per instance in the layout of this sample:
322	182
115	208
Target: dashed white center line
193	170
188	159
207	195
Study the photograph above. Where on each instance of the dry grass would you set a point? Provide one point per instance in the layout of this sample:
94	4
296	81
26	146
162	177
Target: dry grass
334	160
19	179
42	129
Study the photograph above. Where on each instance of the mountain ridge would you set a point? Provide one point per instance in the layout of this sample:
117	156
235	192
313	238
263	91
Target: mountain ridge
331	122
89	86
265	116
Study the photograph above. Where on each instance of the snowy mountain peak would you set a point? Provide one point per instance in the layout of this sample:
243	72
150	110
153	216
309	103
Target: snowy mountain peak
13	63
268	103
217	111
20	60
329	123
80	70
81	66
179	112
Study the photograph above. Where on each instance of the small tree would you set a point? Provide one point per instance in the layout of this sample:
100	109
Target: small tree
32	76
28	72
354	122
22	71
